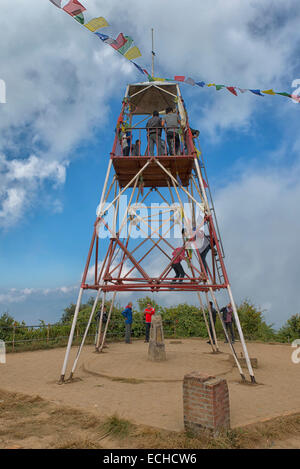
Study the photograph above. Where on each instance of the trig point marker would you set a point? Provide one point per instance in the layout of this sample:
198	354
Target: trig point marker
156	350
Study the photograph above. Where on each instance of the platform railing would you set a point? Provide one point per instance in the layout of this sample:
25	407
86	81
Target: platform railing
158	141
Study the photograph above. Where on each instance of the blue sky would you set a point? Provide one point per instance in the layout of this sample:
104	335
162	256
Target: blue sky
64	94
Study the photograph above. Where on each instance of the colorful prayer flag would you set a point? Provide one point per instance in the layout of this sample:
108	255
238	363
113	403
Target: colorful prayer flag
123	44
133	53
103	37
96	23
190	81
79	18
126	46
285	94
256	92
148	75
232	90
74	8
179	78
198	153
268	92
138	67
119	42
110	41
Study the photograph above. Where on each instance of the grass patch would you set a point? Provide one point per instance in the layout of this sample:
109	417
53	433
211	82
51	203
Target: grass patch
45	423
118	428
128	380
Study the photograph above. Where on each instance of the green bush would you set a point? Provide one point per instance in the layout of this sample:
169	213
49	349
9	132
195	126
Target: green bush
290	330
182	320
253	325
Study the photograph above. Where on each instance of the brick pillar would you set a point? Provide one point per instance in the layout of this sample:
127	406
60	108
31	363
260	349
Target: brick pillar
205	402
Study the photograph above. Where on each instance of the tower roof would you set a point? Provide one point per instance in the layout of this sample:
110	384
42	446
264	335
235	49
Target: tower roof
150	96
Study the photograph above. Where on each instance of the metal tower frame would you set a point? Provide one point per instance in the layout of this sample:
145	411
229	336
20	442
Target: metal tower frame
174	179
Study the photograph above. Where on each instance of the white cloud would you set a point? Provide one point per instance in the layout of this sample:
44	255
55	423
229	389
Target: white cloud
20	182
259	223
60	78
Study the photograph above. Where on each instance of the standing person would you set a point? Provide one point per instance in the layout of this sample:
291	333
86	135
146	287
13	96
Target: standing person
125	142
227	318
172	131
214	317
127	313
203	251
178	255
104	321
136	148
148	313
195	134
154	128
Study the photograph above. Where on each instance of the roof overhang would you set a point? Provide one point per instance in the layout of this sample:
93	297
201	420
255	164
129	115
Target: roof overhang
152	96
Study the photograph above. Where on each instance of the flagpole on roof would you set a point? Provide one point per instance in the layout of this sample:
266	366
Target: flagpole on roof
153	53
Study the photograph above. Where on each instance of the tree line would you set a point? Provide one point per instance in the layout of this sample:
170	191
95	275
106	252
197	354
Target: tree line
182	320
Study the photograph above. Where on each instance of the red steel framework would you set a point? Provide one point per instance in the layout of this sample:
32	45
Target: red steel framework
175	178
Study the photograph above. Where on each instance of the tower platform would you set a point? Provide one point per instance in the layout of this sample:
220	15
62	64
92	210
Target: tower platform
126	167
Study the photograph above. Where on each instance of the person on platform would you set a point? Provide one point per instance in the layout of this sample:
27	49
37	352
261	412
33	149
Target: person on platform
136	148
154	128
172	131
227	312
178	255
125	143
195	134
127	313
148	313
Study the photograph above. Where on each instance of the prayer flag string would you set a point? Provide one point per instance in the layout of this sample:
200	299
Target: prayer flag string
124	45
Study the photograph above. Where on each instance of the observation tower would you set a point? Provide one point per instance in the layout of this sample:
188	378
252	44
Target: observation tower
151	203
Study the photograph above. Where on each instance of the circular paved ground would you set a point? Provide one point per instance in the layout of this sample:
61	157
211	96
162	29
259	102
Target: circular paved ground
151	393
129	362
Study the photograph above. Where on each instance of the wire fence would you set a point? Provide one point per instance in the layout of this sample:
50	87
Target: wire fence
23	337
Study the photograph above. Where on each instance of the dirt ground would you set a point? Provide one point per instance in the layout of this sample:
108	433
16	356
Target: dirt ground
123	382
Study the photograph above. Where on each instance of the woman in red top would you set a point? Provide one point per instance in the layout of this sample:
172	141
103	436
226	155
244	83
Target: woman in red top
148	313
178	255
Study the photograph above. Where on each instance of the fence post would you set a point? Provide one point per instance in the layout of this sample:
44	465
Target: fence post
13	337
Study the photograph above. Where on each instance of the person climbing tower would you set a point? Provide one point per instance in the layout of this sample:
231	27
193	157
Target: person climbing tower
178	255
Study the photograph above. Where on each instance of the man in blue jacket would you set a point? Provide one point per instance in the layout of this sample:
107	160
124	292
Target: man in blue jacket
127	313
